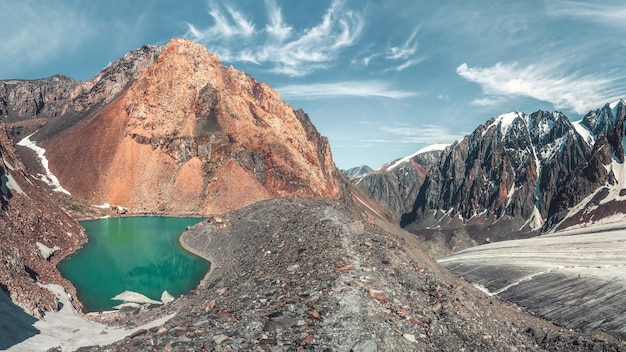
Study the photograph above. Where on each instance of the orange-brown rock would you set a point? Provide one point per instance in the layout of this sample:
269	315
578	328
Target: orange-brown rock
192	136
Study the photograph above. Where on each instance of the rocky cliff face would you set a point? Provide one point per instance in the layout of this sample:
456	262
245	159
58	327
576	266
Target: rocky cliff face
31	219
26	99
184	134
397	185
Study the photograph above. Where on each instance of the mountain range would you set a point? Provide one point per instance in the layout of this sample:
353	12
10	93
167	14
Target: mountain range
301	258
517	175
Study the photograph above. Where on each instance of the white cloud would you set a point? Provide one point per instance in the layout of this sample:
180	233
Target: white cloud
343	89
234	25
425	134
289	53
604	14
406	50
542	82
276	26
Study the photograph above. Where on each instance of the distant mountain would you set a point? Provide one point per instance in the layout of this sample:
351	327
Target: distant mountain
357	171
517	174
397	183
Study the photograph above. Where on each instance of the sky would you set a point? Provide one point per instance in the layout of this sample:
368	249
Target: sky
379	79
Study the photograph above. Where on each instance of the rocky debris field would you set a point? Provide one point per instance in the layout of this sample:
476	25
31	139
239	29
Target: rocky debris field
314	275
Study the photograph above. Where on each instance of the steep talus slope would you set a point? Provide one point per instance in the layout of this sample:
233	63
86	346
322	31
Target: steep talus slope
30	214
192	136
313	274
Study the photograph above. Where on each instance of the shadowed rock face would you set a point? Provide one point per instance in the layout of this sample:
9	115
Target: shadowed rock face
398	188
186	135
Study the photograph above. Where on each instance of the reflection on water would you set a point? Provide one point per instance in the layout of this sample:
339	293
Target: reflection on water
140	254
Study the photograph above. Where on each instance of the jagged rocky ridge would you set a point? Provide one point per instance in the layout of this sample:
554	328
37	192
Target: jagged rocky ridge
517	174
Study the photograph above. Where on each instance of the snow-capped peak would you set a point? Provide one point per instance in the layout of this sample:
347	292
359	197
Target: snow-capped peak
614	104
505	120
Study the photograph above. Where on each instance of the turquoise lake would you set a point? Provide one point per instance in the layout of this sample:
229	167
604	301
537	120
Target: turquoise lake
140	254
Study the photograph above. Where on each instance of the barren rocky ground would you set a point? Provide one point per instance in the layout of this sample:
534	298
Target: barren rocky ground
314	274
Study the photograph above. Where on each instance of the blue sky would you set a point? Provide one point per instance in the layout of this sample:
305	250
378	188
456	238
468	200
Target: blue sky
379	79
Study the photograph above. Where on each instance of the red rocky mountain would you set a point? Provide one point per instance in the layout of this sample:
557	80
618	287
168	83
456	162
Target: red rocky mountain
172	130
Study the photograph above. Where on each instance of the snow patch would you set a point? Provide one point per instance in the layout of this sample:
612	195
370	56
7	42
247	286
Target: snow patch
12	184
505	121
483	289
535	221
524	279
7	164
48	178
430	148
134	297
584	132
103	206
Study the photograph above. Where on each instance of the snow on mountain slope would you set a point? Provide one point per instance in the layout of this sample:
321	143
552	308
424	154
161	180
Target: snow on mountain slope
394	164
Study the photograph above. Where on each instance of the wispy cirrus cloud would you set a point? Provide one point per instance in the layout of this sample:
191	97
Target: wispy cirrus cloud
370	89
424	134
286	51
577	92
604	14
231	24
405	53
406	50
276	26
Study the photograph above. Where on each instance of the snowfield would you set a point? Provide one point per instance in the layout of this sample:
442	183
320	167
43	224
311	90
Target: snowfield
575	278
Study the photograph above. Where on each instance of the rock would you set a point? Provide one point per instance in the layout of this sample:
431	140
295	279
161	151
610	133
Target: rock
346	268
409	337
377	294
137	333
307	340
220	339
398	187
365	346
314	315
204	144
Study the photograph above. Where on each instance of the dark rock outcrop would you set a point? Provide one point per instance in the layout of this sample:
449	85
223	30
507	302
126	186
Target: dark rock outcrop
506	171
398	186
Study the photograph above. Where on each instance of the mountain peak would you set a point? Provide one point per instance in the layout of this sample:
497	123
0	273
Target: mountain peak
171	130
